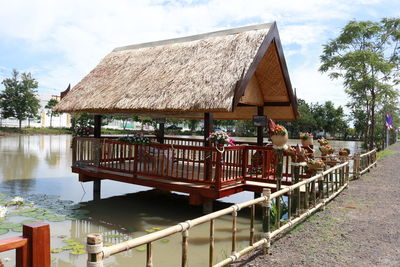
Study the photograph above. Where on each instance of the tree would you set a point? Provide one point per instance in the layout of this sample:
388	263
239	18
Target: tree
366	57
50	105
18	99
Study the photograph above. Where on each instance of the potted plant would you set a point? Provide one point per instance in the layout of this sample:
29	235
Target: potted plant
315	164
344	152
278	134
221	139
326	150
306	139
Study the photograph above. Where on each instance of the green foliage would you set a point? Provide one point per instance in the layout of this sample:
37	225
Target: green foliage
366	57
18	99
317	117
384	153
49	106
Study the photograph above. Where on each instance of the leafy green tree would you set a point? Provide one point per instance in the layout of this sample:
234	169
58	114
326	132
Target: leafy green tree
49	106
18	99
366	57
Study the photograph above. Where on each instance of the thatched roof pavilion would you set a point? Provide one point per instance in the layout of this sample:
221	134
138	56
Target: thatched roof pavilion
233	74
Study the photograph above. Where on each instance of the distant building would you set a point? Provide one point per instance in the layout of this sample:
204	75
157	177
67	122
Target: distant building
60	121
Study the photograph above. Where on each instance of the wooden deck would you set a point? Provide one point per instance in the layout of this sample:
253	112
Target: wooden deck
202	172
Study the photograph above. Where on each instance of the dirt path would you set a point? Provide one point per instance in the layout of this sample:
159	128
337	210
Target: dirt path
361	227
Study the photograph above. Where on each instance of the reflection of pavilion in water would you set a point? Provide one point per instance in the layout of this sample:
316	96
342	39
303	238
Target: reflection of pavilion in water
123	217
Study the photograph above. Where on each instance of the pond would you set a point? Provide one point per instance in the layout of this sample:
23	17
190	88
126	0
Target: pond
37	168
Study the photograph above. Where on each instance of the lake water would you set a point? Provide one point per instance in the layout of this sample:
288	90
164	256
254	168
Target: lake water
37	168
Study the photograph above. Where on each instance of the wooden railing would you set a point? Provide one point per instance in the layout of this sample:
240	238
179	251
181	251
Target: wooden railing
204	165
303	199
32	248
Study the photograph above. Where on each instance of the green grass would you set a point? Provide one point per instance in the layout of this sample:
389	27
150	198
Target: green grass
12	130
383	153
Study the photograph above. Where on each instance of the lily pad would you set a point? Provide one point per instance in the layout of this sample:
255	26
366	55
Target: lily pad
56	219
56	250
17	228
7	225
78	252
141	248
164	240
3	231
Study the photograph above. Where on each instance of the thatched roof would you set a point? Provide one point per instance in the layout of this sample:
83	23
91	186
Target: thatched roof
214	72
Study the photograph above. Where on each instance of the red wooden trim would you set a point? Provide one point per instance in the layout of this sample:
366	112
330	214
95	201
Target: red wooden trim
12	243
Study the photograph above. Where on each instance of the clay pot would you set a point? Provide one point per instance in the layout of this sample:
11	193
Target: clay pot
279	140
307	142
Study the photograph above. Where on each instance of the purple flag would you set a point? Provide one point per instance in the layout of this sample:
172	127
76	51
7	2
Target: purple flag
389	121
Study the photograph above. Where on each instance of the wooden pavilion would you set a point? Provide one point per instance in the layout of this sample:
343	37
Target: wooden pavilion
233	74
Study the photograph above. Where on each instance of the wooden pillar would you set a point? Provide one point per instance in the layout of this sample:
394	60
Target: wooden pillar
162	132
97	126
96	189
208	127
260	135
38	235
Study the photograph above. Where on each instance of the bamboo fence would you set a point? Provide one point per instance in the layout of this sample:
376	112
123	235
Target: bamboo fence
317	191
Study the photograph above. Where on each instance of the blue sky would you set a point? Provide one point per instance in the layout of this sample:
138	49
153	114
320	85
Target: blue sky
59	42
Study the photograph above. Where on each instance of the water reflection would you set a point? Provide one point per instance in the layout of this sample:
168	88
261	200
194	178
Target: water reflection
41	164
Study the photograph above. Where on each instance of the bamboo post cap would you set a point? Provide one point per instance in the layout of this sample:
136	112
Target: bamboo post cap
94	239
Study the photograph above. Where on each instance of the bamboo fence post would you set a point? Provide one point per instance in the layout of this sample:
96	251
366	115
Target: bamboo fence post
313	193
185	235
94	247
234	230
321	186
252	230
356	166
289	195
211	259
267	219
297	194
149	255
306	196
278	186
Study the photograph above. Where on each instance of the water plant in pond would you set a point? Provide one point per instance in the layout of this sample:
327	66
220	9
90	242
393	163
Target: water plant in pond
141	248
3	212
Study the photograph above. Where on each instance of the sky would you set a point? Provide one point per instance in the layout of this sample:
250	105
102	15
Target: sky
61	41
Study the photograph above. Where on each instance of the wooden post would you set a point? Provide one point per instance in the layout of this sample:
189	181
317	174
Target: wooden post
94	247
208	127
162	132
97	126
38	235
267	219
260	135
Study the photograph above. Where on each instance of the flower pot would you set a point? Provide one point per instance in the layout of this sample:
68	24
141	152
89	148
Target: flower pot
307	142
279	140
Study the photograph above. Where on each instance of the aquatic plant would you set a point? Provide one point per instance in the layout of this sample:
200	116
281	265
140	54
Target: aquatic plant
3	211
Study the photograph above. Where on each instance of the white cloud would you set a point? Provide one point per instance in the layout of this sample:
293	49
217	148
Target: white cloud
79	33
